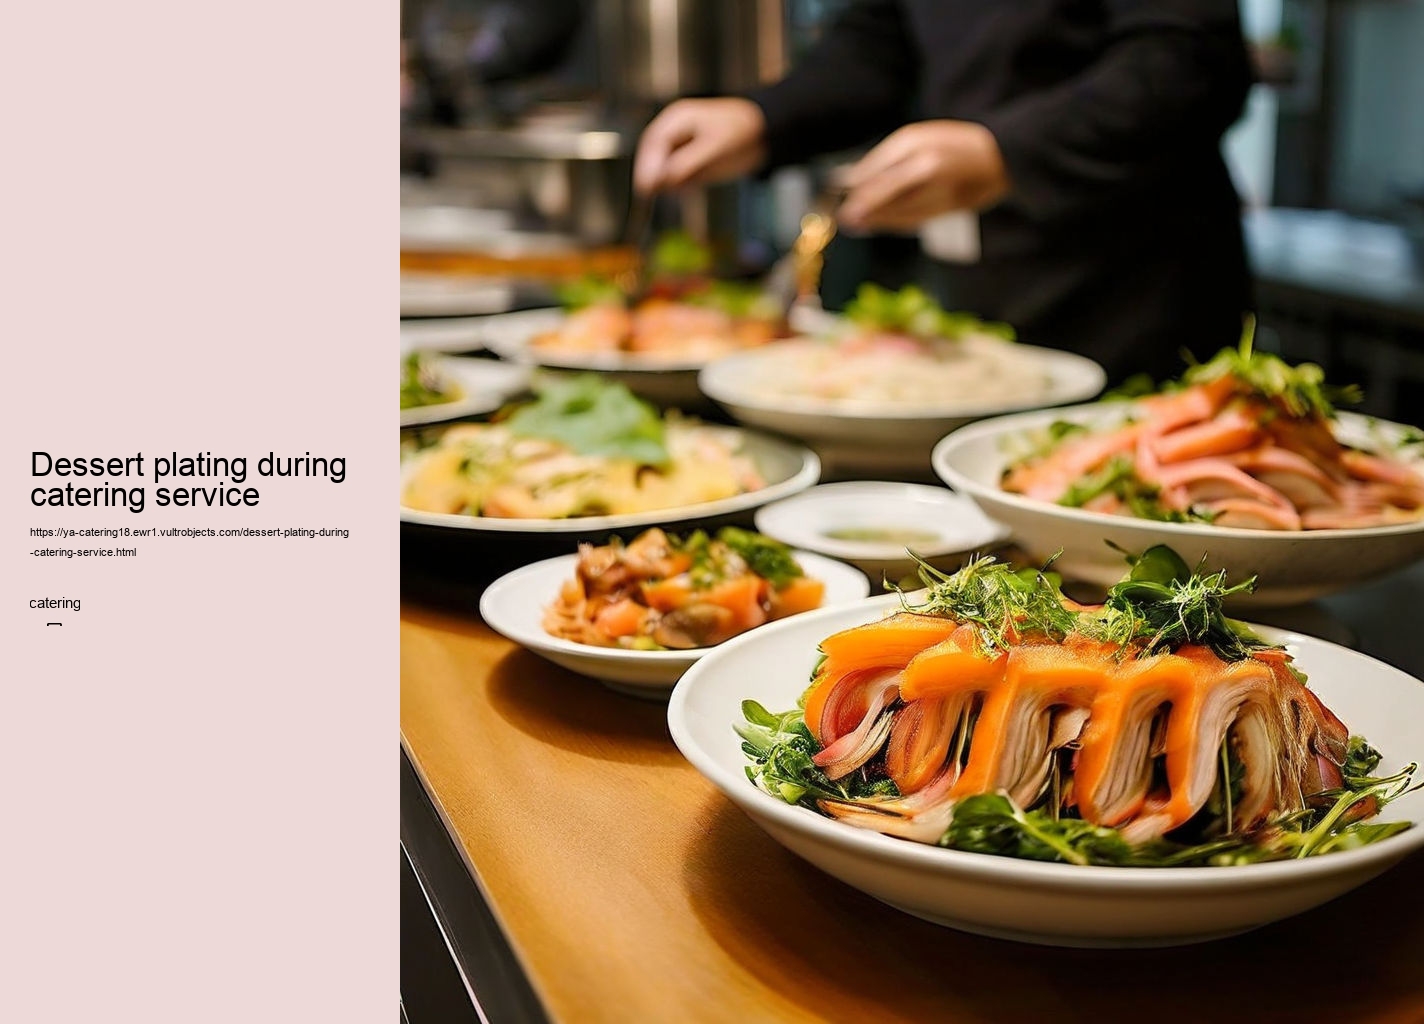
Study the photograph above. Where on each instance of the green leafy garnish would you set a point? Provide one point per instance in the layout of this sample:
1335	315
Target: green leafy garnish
1118	477
781	747
1301	390
1162	605
593	417
590	290
421	383
912	311
769	559
1139	385
741	299
677	253
999	601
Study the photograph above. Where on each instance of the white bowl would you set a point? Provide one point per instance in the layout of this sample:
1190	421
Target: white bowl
669	382
514	606
1032	901
876	434
787	469
1292	566
952	525
443	334
440	295
484	384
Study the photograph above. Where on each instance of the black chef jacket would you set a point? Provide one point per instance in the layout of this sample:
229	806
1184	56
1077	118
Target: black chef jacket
1121	235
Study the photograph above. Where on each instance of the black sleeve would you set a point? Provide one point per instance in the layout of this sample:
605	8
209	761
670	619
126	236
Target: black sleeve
855	84
1173	78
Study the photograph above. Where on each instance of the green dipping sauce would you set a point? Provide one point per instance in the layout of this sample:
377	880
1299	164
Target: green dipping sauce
904	537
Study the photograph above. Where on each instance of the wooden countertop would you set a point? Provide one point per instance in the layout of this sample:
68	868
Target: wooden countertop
631	890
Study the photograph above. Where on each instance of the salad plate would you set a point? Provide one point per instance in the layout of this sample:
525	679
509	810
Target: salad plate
514	606
463	387
785	468
1036	900
871	524
1293	566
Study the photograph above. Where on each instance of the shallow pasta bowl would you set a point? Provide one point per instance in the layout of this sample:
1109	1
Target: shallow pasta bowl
1032	901
513	606
1292	566
877	433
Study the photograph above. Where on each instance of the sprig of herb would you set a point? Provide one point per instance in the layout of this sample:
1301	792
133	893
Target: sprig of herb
1162	605
912	311
769	559
593	416
1001	602
422	384
1118	477
1301	390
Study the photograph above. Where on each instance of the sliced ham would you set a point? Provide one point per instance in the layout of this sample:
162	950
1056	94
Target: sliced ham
1227	433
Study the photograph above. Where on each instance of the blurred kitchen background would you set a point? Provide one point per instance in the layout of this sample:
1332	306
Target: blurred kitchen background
519	119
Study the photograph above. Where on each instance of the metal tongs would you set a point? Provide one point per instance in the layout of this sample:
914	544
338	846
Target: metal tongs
795	279
638	236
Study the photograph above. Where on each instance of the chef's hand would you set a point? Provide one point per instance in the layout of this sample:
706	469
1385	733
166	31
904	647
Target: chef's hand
923	170
695	142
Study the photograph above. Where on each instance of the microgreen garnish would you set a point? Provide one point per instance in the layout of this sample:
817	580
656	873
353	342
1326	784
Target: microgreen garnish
1301	390
912	311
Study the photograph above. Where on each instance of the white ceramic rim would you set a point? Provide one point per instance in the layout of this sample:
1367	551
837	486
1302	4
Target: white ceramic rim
1045	874
882	551
814	565
804	477
718	381
486	384
442	334
941	460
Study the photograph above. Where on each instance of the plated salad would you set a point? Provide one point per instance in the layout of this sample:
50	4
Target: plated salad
662	592
677	311
423	384
903	349
995	715
582	447
1245	440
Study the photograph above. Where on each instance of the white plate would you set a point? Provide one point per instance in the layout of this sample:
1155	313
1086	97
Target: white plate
485	385
443	334
874	433
437	228
1293	566
955	523
452	295
514	606
1057	904
787	469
